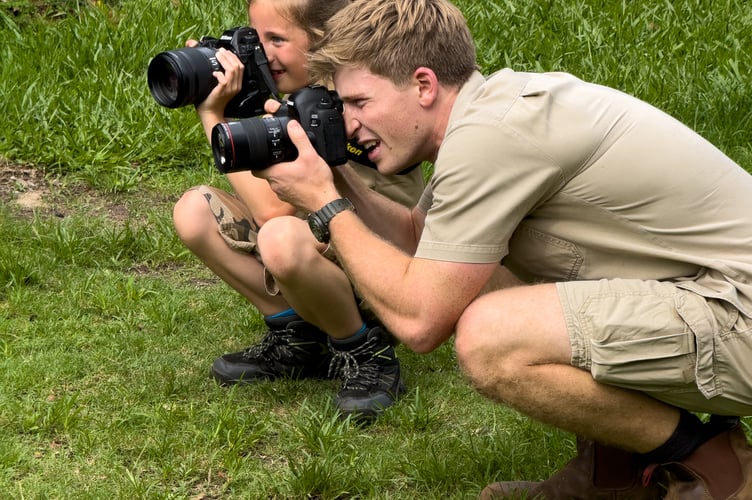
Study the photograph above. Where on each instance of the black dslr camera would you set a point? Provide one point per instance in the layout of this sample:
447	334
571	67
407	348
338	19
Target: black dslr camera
184	76
259	142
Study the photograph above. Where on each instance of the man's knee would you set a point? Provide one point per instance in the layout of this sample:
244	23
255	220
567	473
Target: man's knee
473	320
502	333
482	343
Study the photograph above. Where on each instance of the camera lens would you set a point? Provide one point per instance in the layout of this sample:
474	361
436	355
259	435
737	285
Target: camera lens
251	144
183	76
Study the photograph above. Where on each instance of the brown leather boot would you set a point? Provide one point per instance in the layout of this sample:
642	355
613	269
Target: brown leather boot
720	469
597	472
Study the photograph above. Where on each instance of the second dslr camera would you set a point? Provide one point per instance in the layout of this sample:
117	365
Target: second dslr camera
184	76
259	142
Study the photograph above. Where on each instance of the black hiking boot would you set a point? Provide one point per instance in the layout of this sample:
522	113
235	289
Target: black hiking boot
291	348
370	373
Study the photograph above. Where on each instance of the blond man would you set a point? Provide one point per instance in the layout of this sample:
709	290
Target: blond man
624	296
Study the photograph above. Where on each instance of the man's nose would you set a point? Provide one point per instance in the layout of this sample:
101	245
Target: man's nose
352	125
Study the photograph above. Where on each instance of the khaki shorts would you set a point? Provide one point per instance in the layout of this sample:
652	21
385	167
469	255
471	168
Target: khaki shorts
674	345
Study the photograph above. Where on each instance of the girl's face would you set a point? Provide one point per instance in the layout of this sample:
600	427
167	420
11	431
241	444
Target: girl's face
285	45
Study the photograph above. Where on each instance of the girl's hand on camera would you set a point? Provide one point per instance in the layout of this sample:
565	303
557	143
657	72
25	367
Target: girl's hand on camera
229	83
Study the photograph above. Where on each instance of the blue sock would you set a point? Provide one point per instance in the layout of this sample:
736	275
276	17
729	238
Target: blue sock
359	332
283	314
353	339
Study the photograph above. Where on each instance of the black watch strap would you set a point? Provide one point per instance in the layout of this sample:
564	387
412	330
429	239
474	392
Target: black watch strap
320	219
328	211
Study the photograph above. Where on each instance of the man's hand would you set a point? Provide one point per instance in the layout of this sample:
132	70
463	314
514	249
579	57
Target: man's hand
305	182
271	106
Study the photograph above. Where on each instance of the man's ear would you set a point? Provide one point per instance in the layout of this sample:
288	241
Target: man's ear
427	85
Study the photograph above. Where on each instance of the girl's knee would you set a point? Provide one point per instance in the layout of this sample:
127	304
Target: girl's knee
285	244
192	217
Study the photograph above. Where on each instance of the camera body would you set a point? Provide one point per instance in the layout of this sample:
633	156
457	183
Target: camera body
259	142
184	76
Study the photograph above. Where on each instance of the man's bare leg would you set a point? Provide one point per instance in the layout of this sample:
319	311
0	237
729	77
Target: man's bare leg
514	346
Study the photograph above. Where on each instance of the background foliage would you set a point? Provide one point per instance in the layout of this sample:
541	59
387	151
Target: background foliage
75	97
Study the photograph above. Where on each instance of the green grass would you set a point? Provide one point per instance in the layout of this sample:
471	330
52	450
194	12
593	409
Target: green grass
108	326
105	390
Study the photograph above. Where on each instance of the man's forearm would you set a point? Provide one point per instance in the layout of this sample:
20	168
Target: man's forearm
418	300
378	270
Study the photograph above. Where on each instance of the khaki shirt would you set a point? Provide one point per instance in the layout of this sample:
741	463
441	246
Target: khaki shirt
565	180
405	189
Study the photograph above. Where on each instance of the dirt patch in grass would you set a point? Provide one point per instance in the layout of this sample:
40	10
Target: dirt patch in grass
27	187
29	191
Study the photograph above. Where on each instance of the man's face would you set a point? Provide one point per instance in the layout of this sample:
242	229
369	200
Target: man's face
383	118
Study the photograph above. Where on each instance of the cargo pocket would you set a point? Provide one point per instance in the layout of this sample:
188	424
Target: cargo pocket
639	342
695	312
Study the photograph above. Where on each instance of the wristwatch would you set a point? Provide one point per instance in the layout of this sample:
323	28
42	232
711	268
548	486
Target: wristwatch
319	220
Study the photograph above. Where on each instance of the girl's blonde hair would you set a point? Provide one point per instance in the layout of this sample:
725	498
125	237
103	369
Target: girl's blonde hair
309	15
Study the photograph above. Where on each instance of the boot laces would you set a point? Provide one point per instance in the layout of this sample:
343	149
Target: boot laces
355	374
275	344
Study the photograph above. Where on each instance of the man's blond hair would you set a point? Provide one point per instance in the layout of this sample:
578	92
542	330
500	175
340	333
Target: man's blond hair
392	38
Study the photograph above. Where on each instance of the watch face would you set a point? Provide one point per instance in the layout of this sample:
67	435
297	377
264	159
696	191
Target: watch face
318	229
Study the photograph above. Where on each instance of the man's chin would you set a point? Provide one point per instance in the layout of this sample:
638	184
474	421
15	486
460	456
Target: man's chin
388	168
